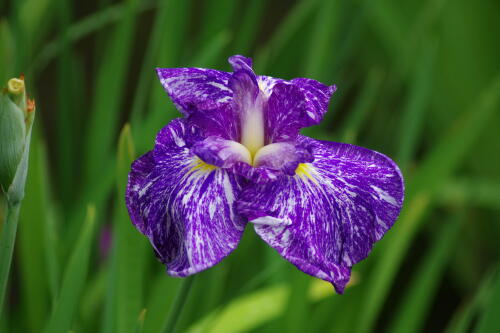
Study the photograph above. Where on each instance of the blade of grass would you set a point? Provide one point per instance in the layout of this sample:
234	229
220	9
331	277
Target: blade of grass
6	50
74	279
435	171
161	110
247	312
212	52
224	11
160	300
80	29
108	93
146	77
414	111
410	316
248	28
322	43
294	19
178	305
30	249
362	107
66	120
480	192
130	245
297	308
8	236
488	321
463	318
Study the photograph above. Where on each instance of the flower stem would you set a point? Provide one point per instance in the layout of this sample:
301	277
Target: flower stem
7	240
178	305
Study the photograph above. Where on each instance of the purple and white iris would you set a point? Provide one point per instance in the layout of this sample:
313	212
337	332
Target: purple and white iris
237	157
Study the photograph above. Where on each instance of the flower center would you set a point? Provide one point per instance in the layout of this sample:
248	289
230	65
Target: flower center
252	125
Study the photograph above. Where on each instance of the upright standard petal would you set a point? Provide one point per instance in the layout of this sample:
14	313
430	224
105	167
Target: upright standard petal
203	95
327	217
183	205
294	105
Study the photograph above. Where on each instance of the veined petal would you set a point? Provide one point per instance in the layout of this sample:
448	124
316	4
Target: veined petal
249	103
184	206
317	97
294	105
239	62
338	205
204	96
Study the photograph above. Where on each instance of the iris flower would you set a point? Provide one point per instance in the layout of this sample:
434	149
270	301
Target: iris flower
237	157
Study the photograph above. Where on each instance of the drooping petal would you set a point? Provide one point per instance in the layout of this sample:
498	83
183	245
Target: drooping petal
203	95
327	217
183	205
294	105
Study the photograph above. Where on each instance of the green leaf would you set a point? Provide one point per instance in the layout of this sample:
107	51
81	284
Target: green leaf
489	318
411	314
294	19
464	316
416	105
245	313
108	94
323	38
130	245
436	169
74	279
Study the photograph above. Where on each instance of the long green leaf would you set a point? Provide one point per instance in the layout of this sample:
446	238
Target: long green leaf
489	318
130	245
436	169
108	93
411	314
74	279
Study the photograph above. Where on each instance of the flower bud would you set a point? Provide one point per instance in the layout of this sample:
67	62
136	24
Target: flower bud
16	117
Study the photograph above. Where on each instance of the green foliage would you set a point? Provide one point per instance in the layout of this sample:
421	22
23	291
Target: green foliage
418	81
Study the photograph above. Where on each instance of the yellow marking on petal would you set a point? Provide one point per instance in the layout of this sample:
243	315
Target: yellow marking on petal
199	166
305	171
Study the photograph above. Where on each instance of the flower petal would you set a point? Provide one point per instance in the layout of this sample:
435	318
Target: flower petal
204	96
221	153
184	206
332	210
317	97
294	105
239	62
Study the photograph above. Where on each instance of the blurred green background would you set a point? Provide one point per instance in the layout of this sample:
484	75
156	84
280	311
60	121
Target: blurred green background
417	80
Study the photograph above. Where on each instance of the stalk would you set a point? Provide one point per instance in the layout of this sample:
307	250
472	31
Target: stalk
179	302
7	247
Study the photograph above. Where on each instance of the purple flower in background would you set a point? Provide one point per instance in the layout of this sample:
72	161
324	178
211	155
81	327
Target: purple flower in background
237	156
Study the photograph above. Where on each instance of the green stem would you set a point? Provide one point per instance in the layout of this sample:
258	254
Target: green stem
7	247
178	305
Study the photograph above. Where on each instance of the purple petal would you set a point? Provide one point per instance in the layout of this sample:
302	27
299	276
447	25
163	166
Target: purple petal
294	105
184	206
239	62
221	153
317	96
267	83
285	113
327	217
204	97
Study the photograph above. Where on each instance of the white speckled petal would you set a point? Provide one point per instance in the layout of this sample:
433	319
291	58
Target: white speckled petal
338	205
204	97
184	206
